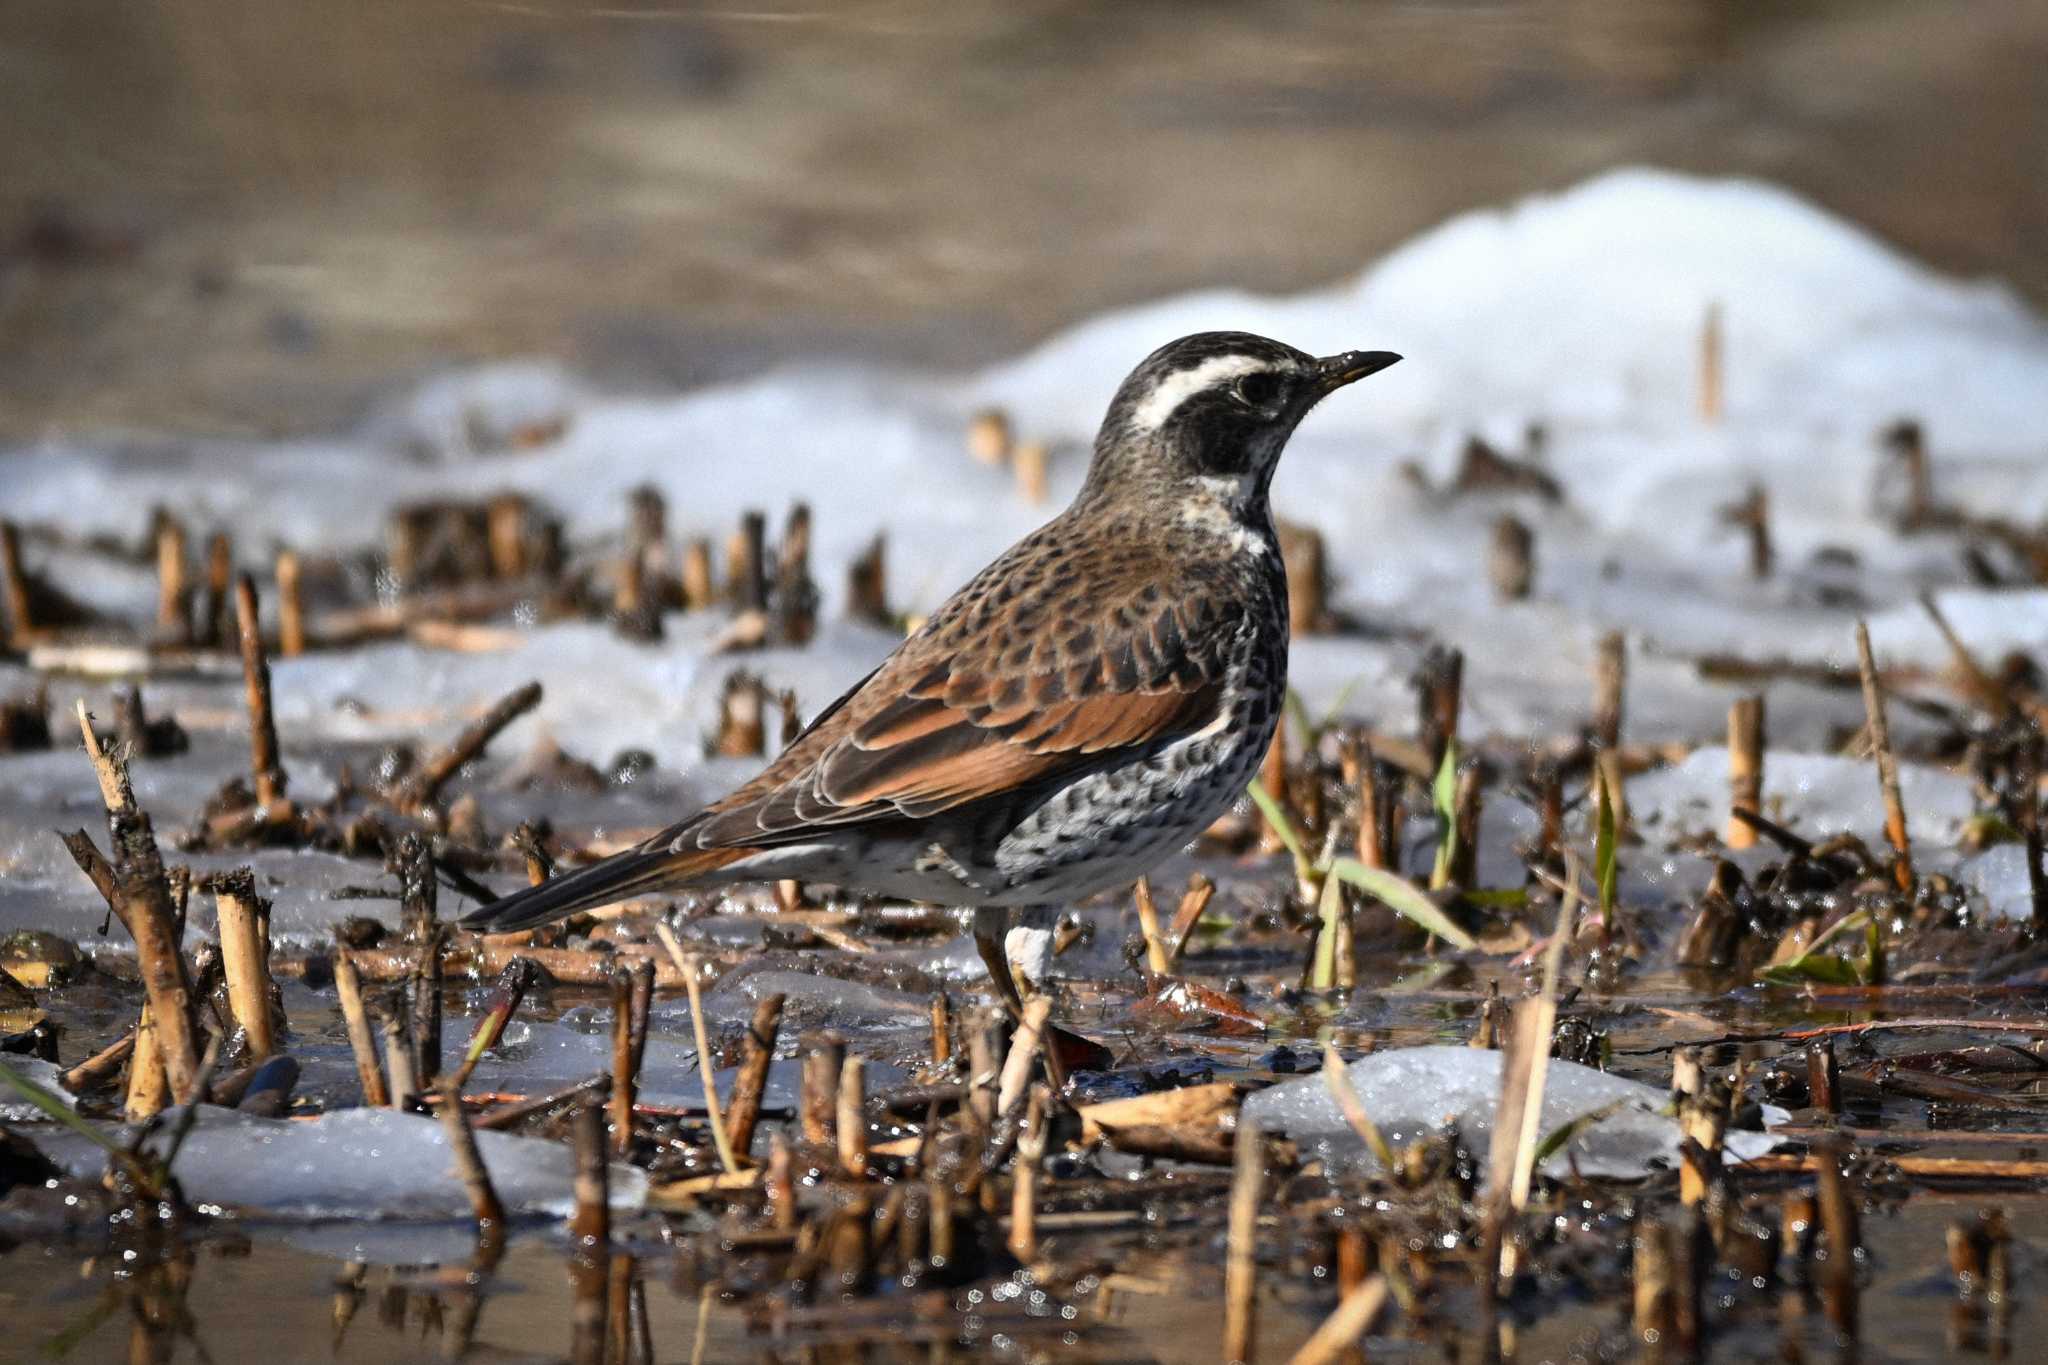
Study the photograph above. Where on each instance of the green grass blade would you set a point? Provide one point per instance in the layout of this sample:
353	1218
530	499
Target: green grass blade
1443	799
1284	827
52	1105
1323	976
1403	897
1606	865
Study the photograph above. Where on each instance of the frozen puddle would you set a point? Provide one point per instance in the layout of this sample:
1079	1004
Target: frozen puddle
1413	1092
352	1163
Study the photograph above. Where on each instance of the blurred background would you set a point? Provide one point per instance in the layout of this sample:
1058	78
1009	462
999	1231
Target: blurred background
244	217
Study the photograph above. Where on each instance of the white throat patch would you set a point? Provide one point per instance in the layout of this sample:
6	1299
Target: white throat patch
1176	389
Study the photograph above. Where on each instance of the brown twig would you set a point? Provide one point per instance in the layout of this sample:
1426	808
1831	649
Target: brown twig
824	1057
1711	366
1156	957
476	1179
590	1237
514	1112
142	902
757	1052
719	1137
625	1076
245	956
850	1122
348	985
419	790
14	594
942	1028
1887	763
1745	767
173	591
1193	901
263	760
405	1090
1241	1267
513	983
1031	1147
1610	688
100	1065
291	606
1350	1319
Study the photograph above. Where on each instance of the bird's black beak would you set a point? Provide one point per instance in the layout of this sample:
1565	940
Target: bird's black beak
1335	371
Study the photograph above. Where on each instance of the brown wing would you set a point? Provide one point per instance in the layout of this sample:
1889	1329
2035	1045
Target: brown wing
1014	686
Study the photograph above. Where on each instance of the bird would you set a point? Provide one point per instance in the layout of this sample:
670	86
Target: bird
1083	707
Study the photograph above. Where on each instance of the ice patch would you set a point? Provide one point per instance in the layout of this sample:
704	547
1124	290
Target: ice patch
1412	1092
1823	795
353	1163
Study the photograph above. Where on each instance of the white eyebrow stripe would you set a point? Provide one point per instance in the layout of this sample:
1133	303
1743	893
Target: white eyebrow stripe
1176	389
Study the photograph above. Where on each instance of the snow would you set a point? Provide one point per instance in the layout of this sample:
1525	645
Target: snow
1410	1093
353	1163
2000	875
1580	311
1815	795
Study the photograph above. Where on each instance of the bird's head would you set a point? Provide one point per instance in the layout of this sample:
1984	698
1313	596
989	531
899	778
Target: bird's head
1212	412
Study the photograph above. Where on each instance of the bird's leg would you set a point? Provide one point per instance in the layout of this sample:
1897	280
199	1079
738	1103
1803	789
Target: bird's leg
991	929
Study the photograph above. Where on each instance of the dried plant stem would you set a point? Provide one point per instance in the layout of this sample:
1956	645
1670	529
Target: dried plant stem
719	1138
1610	687
851	1119
291	606
1372	849
1031	1145
405	1090
349	986
985	1059
590	1232
513	983
426	1008
1025	1045
1241	1268
1193	902
699	591
756	1054
1839	1227
1887	762
142	902
148	1090
14	590
476	1180
781	1185
264	767
115	793
245	957
1442	684
1156	958
100	1065
625	1078
1745	768
1711	366
1655	1297
942	1028
1348	1321
1032	465
514	1112
173	590
425	784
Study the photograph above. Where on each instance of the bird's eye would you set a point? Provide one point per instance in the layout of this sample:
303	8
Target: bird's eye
1257	390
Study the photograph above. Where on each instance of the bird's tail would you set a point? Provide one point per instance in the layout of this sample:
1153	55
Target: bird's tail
636	871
